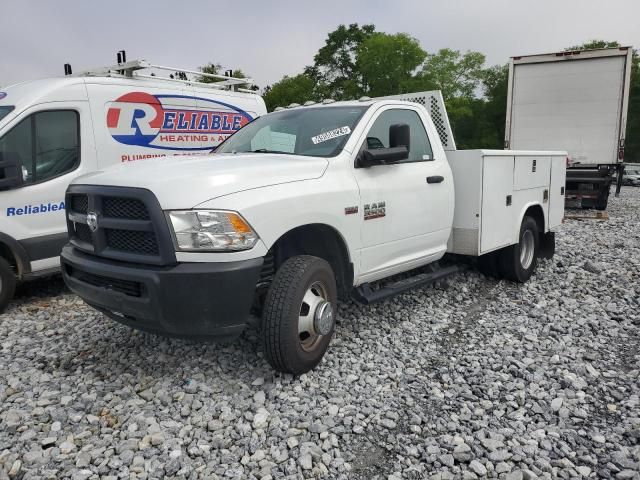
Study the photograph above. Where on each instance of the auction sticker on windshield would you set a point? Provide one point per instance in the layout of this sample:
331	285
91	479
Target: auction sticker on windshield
338	132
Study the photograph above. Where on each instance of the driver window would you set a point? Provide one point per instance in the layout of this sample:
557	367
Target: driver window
47	143
378	136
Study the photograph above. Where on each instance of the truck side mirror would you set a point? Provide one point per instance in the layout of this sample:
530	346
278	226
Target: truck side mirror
10	171
399	135
382	156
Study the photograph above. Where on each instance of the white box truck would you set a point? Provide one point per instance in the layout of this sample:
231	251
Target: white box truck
55	129
298	208
575	101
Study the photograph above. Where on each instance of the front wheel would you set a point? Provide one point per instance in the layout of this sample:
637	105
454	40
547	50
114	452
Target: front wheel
7	284
518	261
299	314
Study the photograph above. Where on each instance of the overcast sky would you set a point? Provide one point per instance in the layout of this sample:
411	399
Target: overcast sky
268	39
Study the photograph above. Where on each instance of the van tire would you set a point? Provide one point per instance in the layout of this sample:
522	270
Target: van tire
527	250
285	347
7	284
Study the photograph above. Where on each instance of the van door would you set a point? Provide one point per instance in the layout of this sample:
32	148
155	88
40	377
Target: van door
54	144
405	218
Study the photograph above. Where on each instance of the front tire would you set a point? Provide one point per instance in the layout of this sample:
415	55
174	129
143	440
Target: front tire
7	284
518	262
299	314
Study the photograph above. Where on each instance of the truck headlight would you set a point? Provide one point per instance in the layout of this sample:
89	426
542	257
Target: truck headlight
211	230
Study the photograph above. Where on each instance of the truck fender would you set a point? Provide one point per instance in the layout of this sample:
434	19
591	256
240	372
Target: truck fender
19	254
538	213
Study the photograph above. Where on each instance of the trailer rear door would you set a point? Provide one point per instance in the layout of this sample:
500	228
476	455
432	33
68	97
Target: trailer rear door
574	102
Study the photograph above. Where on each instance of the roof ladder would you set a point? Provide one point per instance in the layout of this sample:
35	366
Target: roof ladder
132	69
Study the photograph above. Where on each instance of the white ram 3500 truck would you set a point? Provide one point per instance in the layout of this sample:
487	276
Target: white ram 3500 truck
295	210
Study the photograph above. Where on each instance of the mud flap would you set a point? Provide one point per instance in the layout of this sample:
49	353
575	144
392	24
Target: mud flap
547	245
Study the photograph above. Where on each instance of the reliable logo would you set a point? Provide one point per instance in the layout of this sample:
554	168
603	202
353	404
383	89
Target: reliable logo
172	122
34	209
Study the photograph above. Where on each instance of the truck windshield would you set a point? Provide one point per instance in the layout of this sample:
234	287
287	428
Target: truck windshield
4	111
312	131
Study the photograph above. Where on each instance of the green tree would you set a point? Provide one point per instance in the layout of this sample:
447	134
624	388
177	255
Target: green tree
632	141
334	68
386	62
216	69
454	73
592	45
298	89
495	82
212	69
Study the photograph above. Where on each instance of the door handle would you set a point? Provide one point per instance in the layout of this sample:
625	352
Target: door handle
435	179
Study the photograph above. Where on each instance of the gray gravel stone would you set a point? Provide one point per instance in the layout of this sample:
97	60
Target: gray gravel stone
474	378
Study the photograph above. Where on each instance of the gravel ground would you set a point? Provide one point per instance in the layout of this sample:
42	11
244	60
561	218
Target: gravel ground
480	378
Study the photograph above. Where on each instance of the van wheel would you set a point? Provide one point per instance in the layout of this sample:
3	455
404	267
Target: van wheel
299	314
7	284
518	262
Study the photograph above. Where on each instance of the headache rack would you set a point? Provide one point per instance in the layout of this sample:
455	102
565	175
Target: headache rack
132	69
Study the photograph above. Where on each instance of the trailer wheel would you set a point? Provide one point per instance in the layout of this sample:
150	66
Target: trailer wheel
7	284
602	200
299	314
518	261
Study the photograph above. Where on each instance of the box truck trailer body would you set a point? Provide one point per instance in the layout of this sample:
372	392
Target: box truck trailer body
574	101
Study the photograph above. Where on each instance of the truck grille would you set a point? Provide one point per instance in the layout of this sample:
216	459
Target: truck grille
130	224
79	203
132	241
124	208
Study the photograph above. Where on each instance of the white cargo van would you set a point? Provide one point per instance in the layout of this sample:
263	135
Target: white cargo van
56	129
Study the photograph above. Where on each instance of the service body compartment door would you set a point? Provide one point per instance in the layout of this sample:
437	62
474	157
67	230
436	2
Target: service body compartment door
556	191
531	172
496	230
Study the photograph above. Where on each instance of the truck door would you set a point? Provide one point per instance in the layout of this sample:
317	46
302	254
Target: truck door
53	146
405	220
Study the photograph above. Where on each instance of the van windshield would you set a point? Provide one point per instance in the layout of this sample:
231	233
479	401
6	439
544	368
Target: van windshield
312	131
4	111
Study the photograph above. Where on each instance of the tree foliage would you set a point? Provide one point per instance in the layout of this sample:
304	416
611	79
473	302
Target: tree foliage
385	62
455	74
334	67
298	89
216	69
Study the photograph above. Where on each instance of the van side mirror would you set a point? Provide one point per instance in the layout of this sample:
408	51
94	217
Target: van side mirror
10	171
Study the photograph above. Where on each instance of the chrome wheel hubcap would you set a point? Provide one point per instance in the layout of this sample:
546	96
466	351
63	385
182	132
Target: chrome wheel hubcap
316	316
527	248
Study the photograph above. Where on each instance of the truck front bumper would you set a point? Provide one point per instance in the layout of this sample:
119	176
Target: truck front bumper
186	300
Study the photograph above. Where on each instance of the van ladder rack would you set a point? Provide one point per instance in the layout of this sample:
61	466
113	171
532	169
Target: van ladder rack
131	69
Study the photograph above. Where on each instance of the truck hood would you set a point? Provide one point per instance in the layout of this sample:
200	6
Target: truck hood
186	181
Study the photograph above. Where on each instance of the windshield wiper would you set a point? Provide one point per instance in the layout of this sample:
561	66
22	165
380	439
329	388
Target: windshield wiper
264	150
